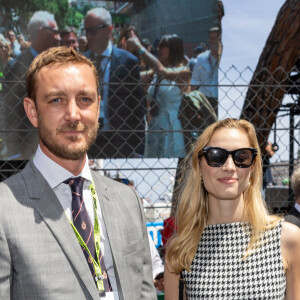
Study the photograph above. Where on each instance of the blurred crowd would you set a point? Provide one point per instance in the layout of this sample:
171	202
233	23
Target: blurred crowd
141	84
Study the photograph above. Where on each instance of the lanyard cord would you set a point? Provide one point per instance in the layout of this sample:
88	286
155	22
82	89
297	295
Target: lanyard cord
96	263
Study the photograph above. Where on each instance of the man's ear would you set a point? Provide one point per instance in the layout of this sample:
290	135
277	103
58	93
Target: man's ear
31	112
99	100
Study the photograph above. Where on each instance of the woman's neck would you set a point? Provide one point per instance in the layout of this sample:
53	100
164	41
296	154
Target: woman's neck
225	211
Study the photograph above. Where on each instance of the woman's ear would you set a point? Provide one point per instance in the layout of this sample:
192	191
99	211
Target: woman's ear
31	111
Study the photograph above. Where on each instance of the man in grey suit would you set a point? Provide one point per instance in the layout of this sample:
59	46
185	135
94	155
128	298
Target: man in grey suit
44	253
294	214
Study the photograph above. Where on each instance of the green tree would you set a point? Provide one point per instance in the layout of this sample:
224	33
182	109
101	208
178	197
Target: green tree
18	12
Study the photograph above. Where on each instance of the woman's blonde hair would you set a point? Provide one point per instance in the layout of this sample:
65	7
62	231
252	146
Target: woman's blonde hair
193	211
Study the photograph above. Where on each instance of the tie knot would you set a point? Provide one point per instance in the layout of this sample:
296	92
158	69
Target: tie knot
76	184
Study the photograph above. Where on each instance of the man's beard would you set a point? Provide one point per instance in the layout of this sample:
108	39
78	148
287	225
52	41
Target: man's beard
63	150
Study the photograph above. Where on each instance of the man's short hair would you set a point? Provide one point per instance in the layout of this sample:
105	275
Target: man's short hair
39	19
54	55
67	30
295	182
102	13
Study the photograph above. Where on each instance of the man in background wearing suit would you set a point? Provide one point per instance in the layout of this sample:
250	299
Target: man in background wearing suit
122	126
65	231
294	214
22	139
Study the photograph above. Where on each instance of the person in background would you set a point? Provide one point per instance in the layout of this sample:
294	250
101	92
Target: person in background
4	54
4	60
20	38
125	34
171	78
267	172
227	244
14	44
24	46
205	71
168	231
147	45
293	215
157	264
82	44
22	139
69	37
122	126
73	233
197	50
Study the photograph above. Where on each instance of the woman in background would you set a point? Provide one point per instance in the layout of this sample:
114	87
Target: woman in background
171	78
228	246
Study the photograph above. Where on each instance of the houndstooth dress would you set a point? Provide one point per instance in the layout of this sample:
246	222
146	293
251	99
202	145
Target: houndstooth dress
219	272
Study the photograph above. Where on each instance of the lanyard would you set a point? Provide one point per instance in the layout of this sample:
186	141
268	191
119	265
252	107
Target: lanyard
96	263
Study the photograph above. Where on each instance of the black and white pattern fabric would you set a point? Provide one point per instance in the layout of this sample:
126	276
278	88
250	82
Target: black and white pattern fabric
218	270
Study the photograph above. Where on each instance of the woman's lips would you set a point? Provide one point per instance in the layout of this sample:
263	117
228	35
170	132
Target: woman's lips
228	180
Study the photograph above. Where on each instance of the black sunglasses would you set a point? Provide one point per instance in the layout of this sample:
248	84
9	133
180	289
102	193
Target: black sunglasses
93	30
216	157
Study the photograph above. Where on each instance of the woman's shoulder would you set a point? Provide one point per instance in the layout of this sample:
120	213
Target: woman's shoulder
290	244
290	235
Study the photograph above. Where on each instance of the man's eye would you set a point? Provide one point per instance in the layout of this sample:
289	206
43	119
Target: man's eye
85	99
56	100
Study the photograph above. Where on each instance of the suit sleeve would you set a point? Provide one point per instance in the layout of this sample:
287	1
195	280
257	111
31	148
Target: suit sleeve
148	290
5	267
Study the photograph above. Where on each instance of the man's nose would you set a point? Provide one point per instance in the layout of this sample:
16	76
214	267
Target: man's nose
72	111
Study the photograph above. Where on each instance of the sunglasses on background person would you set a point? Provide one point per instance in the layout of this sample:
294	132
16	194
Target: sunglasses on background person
55	31
216	157
93	30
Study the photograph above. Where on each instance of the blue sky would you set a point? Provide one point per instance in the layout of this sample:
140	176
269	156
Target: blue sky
245	29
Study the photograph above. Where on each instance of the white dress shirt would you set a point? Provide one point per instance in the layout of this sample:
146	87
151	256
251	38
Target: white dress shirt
297	206
205	74
55	175
157	264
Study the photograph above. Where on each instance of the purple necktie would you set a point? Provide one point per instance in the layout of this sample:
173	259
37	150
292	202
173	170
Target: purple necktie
83	224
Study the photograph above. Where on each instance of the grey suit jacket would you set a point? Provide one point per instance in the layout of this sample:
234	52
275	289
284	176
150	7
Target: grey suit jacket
40	257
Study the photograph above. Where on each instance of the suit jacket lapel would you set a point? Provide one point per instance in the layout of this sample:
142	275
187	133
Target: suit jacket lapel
113	65
48	206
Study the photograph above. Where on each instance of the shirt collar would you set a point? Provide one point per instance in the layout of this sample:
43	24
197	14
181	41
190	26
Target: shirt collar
108	50
53	172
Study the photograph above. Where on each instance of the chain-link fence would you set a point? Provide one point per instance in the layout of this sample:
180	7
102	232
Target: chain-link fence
148	123
120	150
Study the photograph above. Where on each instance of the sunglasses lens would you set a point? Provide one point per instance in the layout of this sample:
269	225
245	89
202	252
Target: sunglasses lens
91	31
216	157
243	158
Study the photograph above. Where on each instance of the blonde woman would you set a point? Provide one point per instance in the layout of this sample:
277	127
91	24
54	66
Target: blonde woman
227	245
